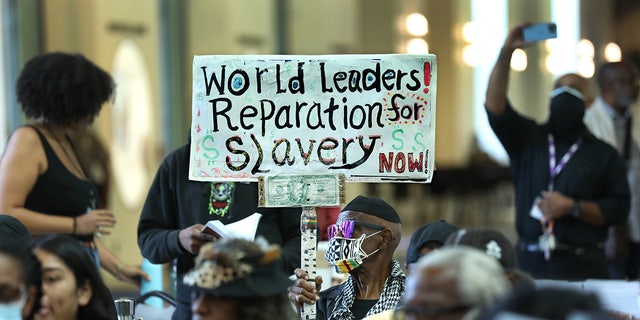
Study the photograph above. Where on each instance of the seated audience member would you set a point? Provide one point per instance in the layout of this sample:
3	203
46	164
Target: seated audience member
362	243
19	274
236	279
427	238
495	244
548	303
424	240
71	285
452	283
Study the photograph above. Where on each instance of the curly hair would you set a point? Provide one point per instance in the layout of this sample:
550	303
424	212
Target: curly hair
63	88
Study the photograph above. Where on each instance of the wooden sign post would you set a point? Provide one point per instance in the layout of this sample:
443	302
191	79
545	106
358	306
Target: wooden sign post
308	229
307	192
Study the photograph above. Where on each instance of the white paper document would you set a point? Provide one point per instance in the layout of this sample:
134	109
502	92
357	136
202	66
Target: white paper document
245	228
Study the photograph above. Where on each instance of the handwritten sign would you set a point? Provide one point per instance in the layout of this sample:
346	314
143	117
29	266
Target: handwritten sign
369	117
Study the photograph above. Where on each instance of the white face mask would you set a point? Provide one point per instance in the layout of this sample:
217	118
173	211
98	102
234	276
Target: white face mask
13	310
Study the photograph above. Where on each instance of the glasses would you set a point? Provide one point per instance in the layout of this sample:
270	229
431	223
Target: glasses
407	312
347	226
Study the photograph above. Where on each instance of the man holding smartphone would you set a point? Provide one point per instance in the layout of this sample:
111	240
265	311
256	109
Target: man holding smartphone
569	185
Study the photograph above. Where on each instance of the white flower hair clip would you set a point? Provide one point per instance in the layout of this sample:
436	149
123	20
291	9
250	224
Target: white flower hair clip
494	250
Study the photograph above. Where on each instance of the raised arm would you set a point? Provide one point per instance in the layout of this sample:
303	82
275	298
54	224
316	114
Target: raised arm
496	98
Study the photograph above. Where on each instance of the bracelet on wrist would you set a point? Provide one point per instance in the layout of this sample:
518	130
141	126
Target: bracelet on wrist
75	225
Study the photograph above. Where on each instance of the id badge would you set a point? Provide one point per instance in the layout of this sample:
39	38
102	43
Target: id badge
543	242
547	242
535	211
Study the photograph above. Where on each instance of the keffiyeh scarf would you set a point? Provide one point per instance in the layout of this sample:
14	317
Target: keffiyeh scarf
391	295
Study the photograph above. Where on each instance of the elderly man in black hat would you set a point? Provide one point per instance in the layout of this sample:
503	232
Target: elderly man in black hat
362	243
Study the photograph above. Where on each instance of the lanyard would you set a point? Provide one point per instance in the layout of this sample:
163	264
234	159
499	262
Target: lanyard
554	169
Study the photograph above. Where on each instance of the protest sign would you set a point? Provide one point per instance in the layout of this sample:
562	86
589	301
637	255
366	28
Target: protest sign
369	117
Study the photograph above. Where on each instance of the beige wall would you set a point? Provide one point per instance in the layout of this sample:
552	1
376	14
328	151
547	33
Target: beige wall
225	27
324	27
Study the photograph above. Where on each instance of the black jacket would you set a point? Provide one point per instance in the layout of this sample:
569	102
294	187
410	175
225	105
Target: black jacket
174	202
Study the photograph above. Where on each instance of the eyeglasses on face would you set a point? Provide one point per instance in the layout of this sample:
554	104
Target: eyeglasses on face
346	228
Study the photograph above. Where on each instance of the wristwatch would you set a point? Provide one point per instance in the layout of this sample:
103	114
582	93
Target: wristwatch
575	210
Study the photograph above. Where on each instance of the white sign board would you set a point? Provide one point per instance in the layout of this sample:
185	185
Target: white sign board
369	117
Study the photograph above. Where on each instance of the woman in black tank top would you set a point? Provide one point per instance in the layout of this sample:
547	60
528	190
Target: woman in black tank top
41	180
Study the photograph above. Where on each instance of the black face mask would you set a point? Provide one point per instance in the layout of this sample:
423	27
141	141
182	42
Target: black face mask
565	116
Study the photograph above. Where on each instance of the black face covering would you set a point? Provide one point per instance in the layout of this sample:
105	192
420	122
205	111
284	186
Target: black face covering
565	116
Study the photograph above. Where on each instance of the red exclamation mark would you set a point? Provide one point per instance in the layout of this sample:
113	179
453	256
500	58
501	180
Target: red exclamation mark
427	76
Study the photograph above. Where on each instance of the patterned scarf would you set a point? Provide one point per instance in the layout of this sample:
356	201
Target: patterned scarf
391	295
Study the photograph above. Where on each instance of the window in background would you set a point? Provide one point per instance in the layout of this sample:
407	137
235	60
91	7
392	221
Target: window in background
489	23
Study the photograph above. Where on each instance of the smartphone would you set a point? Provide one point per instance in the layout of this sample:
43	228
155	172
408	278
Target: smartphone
539	31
